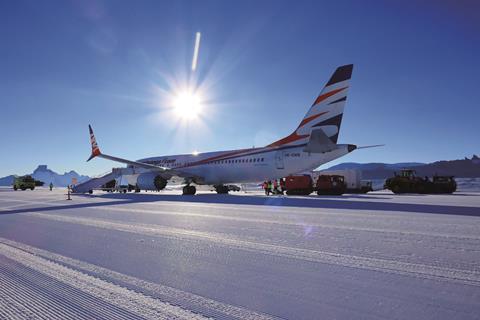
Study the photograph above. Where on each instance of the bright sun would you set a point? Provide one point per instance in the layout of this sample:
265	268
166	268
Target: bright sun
187	105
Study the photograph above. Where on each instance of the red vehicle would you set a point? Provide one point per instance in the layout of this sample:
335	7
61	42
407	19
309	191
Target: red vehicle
330	185
299	185
325	185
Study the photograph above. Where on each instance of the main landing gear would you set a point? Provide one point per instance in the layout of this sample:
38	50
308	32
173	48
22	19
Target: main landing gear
221	189
189	190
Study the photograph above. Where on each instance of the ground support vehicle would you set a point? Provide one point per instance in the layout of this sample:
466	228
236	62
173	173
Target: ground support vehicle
299	185
408	182
324	185
24	183
330	185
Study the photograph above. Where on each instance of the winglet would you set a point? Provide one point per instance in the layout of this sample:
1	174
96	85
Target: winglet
95	148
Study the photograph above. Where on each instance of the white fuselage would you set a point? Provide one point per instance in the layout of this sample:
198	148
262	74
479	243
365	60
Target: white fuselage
241	166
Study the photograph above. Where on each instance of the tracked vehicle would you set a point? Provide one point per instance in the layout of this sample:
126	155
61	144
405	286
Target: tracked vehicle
408	182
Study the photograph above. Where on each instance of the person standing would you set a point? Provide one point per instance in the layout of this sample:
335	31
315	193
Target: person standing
51	186
265	187
282	185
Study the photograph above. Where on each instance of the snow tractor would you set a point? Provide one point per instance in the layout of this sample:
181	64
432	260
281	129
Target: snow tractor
408	182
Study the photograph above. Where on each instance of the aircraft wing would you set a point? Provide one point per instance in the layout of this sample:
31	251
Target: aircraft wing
130	162
97	153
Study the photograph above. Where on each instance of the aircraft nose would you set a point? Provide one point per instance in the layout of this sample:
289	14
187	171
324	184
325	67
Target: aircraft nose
351	147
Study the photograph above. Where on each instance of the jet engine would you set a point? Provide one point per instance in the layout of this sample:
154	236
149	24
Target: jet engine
151	181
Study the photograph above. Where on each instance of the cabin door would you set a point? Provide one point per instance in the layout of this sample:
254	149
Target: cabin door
279	160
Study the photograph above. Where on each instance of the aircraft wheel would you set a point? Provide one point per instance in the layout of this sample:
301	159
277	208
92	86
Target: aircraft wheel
189	190
221	189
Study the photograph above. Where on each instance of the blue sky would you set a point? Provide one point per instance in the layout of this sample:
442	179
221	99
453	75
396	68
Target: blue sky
65	64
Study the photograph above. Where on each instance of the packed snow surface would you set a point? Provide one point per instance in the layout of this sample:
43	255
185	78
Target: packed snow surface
240	256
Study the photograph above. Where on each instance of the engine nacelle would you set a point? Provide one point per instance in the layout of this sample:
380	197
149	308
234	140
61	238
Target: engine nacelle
151	181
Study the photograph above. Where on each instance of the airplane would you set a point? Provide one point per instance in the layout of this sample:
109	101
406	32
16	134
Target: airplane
311	144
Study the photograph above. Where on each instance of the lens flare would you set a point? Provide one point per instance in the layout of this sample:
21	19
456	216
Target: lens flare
187	105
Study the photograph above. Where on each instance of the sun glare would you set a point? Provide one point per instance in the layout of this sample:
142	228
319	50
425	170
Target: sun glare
187	105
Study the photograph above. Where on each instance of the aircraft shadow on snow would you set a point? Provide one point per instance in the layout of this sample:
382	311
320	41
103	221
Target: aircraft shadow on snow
322	202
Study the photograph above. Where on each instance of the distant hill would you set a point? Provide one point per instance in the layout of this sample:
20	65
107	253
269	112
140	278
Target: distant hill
46	175
7	181
466	168
374	165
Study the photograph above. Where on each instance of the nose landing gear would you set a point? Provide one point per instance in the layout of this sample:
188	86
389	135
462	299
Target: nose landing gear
189	190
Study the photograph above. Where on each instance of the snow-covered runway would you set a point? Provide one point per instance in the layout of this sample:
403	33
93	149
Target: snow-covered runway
241	256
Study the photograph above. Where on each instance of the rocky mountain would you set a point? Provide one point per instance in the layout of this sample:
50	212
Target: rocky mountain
466	168
46	175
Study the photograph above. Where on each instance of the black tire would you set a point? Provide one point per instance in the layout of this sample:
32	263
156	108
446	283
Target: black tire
396	189
189	190
90	191
15	188
222	189
31	188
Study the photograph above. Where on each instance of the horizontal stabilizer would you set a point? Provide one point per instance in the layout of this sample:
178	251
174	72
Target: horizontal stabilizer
319	142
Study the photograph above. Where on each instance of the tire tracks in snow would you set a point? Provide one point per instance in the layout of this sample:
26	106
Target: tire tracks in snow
123	298
177	299
389	266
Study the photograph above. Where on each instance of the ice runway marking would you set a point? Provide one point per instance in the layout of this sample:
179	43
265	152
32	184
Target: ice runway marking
131	301
283	221
179	297
389	266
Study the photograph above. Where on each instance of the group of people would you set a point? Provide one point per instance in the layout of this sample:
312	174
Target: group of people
276	186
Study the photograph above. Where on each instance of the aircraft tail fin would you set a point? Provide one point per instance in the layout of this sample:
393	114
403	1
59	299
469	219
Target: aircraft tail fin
93	142
326	111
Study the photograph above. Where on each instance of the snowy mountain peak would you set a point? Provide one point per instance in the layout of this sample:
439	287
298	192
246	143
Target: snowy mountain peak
46	175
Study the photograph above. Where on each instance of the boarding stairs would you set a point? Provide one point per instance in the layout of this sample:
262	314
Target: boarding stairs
96	182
